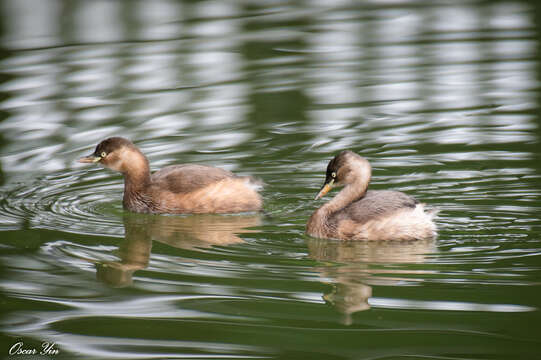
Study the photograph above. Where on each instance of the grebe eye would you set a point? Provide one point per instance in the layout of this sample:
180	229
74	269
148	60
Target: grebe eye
333	174
103	154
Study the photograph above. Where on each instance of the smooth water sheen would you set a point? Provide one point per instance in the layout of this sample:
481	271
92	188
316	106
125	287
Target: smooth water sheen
442	97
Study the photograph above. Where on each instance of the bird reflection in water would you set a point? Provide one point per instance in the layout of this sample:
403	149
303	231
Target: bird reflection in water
353	267
184	232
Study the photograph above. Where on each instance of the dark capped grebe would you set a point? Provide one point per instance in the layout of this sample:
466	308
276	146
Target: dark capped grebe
357	214
175	189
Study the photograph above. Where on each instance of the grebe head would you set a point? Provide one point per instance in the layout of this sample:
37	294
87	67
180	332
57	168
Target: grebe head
116	153
345	168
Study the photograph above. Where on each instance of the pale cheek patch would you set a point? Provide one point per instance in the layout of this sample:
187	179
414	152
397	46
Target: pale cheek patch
126	160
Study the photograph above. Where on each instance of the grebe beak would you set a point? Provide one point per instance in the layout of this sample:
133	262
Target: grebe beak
90	159
325	189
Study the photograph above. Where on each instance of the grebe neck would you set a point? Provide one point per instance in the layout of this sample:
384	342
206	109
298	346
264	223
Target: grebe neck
318	224
351	192
136	173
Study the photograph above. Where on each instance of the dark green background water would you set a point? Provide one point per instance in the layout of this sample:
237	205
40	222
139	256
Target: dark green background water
443	97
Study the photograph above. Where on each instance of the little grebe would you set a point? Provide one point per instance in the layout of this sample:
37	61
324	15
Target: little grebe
357	214
175	189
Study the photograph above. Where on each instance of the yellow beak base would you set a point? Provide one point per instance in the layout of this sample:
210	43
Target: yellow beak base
90	159
325	189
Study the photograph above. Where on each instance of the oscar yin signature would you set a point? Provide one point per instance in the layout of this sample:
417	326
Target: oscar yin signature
47	348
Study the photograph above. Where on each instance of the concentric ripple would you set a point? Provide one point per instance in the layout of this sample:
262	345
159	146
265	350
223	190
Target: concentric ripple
64	202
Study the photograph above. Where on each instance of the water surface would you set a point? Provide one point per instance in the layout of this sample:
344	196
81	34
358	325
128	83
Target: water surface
442	98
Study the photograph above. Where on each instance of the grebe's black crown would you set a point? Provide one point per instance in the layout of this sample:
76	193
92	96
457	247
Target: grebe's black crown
111	144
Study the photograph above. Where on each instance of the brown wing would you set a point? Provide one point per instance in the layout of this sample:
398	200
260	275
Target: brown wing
375	204
188	177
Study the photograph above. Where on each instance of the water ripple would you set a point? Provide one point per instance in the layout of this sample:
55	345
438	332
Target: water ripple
444	110
62	202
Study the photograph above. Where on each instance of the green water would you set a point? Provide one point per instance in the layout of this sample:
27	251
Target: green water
443	98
